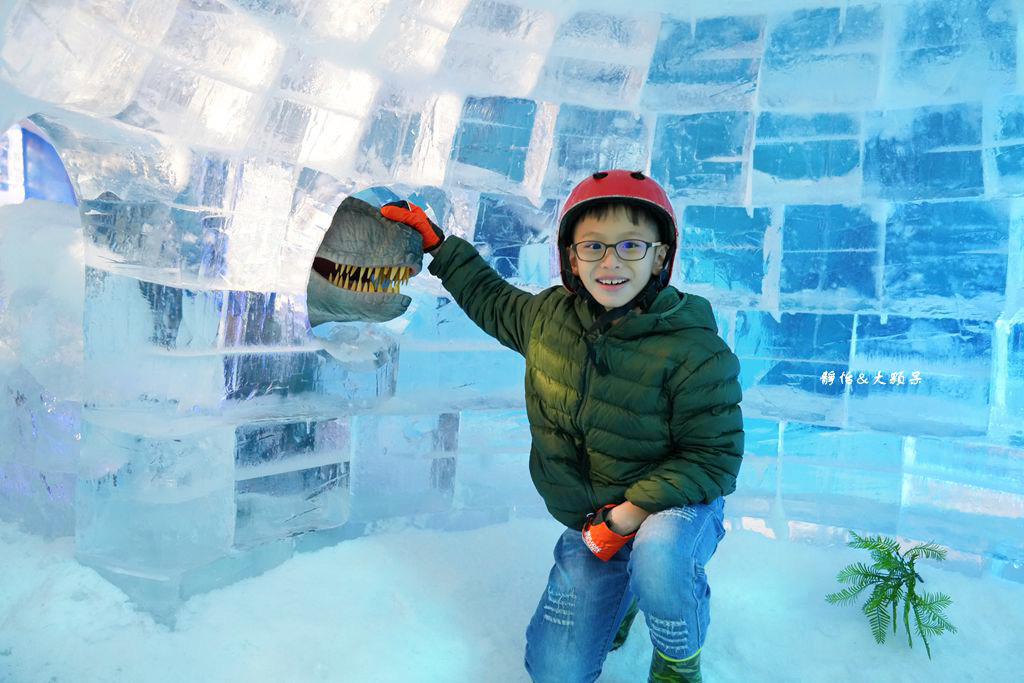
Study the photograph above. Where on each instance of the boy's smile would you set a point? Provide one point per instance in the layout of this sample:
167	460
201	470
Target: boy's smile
614	281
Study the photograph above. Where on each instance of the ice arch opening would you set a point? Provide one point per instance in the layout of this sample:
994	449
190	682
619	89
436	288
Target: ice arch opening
849	182
41	295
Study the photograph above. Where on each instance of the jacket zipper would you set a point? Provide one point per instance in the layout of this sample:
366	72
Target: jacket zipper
585	394
585	466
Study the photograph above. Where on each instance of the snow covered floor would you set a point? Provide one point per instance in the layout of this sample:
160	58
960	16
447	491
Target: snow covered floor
450	607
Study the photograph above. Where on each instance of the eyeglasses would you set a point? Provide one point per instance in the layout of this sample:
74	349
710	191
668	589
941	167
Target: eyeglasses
628	250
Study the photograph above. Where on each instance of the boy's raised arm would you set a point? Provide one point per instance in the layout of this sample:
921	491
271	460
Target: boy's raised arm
501	310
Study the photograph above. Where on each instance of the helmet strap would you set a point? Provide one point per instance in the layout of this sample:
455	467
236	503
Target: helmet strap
605	318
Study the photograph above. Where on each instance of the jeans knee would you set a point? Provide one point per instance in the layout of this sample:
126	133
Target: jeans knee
658	566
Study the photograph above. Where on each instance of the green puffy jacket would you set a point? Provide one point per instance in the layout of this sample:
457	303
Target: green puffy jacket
653	419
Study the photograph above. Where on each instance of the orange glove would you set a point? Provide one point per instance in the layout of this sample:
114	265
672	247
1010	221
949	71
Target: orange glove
413	216
600	538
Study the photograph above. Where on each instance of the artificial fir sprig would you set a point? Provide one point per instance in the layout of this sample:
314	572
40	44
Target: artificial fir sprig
890	574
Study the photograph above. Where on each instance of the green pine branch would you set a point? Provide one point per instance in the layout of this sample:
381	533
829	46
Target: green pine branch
893	578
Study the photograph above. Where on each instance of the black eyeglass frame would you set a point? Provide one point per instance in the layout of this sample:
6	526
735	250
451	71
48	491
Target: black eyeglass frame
618	253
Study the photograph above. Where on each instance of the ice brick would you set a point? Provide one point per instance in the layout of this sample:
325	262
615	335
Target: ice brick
759	471
966	492
830	256
355	21
402	465
723	249
102	155
1005	418
483	65
830	228
724	227
1008	145
184	245
812	160
504	225
449	362
701	156
290	9
291	478
604	32
816	157
600	60
710	271
924	153
154	506
69	55
391	137
312	79
495	134
795	336
788	366
946	258
158	316
955	50
493	20
39	454
291	503
779	126
712	63
824	57
590	81
493	472
581	145
183	101
152	511
228	45
416	45
890	398
318	378
835	476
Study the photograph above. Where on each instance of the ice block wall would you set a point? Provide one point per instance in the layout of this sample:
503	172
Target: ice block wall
850	186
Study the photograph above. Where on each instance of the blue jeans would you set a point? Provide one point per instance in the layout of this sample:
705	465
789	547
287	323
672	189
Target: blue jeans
586	599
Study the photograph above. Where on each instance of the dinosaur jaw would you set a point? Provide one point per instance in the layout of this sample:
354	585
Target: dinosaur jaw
363	279
342	293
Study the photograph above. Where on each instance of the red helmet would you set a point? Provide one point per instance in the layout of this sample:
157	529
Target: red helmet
625	187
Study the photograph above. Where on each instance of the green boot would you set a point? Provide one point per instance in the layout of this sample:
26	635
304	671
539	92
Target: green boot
627	621
667	670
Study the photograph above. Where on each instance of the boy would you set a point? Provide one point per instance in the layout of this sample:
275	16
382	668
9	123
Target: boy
632	399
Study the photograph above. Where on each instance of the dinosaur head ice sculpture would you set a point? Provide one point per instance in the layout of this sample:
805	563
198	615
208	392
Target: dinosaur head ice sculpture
360	264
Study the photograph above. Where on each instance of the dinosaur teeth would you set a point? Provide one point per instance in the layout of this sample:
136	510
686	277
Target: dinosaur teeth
366	279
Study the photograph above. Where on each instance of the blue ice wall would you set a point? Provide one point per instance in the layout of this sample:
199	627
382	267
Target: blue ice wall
849	180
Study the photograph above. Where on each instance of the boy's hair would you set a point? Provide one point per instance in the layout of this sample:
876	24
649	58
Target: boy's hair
635	212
